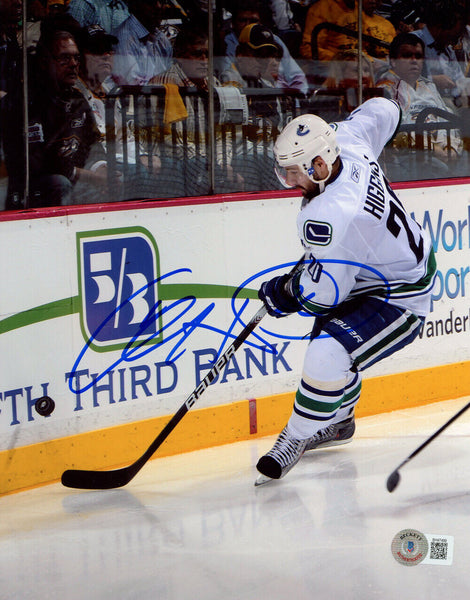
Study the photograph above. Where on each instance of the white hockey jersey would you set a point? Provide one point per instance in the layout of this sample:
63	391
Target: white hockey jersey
358	236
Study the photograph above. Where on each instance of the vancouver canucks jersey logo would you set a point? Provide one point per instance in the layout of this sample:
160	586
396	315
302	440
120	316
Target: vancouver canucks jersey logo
318	233
303	130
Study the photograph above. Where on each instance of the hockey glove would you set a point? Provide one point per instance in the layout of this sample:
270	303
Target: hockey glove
278	296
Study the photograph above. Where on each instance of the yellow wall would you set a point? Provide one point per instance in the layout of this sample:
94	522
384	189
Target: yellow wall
201	428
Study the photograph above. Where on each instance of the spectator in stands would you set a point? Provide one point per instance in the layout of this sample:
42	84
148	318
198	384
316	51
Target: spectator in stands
140	173
143	51
282	15
405	83
11	101
97	51
245	13
190	65
344	14
257	60
256	65
378	27
462	48
190	71
109	14
445	25
67	162
285	25
329	43
36	12
258	57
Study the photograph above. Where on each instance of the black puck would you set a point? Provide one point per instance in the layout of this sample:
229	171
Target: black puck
44	406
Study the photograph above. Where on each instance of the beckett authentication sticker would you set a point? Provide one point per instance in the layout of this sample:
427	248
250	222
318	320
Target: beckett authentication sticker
409	547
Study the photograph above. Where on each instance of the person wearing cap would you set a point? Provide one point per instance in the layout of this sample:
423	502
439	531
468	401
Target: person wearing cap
95	81
36	12
257	65
258	57
245	13
97	48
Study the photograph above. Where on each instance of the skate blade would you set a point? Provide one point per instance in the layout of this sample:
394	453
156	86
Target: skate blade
262	480
330	444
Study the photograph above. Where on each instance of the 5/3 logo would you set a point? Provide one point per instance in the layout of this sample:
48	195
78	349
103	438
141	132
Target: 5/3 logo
117	274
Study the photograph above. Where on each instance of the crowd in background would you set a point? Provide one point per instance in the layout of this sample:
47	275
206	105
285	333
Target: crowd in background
307	54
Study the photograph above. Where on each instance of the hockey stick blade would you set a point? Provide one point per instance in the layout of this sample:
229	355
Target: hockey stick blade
394	478
105	480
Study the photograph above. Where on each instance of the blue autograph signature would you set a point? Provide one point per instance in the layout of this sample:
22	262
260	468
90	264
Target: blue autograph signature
177	318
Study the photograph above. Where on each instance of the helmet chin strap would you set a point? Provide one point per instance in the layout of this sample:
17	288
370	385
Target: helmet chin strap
321	182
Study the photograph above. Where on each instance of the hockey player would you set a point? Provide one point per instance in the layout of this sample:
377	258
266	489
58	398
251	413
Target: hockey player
367	278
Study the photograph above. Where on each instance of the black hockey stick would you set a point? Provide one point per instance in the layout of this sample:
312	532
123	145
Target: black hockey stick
394	478
104	480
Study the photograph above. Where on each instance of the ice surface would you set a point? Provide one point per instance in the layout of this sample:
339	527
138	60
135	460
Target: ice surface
194	526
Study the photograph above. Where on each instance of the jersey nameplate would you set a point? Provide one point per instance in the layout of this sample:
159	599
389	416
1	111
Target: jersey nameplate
375	199
318	233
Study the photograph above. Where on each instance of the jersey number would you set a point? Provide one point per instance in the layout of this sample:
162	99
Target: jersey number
398	219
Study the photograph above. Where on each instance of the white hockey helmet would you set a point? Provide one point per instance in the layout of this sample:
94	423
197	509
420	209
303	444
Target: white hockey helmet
300	142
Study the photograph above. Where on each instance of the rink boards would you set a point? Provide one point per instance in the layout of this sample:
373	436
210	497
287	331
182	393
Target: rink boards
116	313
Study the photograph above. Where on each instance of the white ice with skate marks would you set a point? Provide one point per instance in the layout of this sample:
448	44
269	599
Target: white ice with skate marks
194	526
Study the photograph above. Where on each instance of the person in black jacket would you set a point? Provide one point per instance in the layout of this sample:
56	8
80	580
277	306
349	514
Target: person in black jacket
66	159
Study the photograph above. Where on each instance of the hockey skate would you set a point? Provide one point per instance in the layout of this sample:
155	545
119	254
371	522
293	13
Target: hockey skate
285	453
333	435
288	450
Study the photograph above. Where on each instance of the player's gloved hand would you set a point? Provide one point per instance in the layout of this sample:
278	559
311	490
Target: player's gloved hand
278	296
